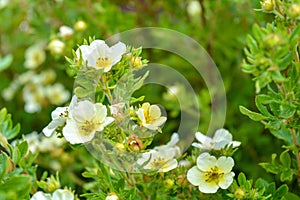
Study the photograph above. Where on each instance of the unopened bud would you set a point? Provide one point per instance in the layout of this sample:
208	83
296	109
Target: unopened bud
112	196
80	25
119	147
294	11
168	183
182	180
267	5
239	193
134	143
272	40
136	62
56	47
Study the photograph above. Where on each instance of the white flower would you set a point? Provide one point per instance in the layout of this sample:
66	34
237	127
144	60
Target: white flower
34	97
116	109
34	56
162	160
65	32
112	196
221	138
101	56
3	3
150	116
193	8
57	94
210	174
59	194
171	145
56	47
48	144
84	120
41	196
59	117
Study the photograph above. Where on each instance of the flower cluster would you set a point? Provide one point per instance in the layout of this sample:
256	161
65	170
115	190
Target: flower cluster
211	173
39	90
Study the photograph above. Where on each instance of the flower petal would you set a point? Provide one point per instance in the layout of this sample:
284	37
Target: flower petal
48	130
62	195
222	134
225	164
41	196
158	122
203	138
117	51
194	176
205	162
208	188
140	114
72	134
58	112
174	140
169	165
154	112
226	181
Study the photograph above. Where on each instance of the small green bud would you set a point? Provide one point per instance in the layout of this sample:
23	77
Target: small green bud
239	193
119	147
267	5
272	40
50	185
294	11
168	183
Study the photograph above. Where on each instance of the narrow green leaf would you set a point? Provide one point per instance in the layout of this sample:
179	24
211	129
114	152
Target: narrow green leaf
252	115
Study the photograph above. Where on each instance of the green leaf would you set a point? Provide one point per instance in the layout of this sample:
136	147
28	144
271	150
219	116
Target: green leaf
269	167
23	148
285	159
20	185
4	165
263	109
281	191
6	126
252	115
284	134
291	196
242	179
287	110
286	175
5	62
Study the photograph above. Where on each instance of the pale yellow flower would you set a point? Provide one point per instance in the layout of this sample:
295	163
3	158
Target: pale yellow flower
211	173
150	116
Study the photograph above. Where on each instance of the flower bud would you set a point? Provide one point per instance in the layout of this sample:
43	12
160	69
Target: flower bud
112	196
168	183
267	5
56	47
65	32
136	62
294	11
80	25
182	180
50	185
272	40
119	147
239	193
134	143
193	8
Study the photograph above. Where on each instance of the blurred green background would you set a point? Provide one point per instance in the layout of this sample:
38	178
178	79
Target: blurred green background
220	26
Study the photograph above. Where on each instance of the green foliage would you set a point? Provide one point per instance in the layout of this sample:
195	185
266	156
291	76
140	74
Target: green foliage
6	126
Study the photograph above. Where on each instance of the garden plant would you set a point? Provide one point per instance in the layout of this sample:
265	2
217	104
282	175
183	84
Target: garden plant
139	100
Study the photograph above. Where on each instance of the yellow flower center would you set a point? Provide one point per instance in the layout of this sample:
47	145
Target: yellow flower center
213	175
103	62
158	163
87	127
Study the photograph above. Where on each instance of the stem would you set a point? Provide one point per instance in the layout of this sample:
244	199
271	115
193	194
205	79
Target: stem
298	153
